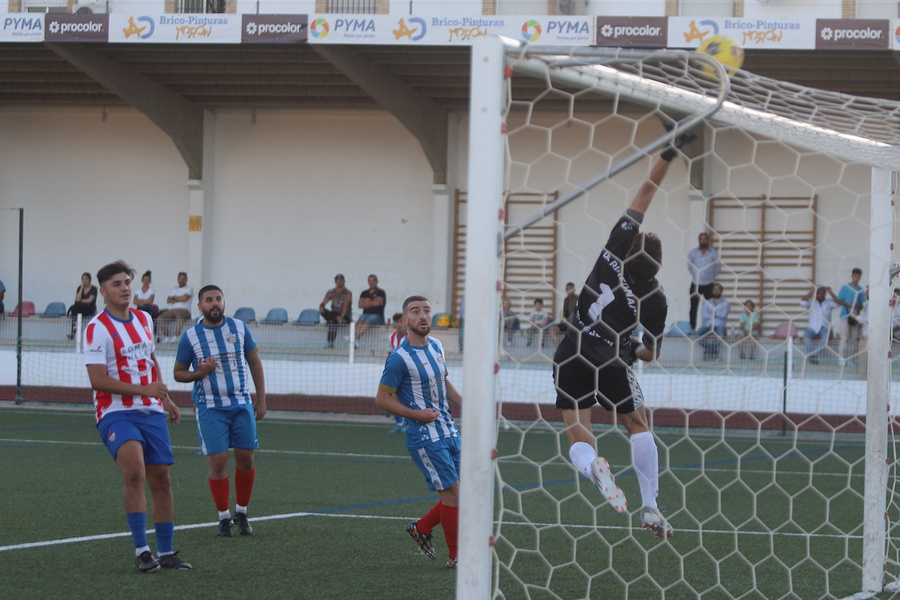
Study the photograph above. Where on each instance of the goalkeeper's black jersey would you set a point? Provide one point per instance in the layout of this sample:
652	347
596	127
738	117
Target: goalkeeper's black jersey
610	306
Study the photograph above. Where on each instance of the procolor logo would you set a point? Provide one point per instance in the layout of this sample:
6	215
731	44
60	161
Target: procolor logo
57	27
837	35
611	31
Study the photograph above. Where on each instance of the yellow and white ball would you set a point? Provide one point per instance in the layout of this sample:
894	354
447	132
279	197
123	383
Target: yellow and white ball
723	49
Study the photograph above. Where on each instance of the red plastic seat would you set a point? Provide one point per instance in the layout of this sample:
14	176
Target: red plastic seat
27	309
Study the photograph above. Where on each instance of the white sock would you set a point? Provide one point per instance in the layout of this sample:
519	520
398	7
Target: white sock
142	549
240	509
224	514
646	464
583	455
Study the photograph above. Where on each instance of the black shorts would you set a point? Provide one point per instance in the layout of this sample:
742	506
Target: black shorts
580	383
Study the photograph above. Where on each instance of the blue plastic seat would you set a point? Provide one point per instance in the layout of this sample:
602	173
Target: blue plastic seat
308	316
55	309
276	316
680	329
245	314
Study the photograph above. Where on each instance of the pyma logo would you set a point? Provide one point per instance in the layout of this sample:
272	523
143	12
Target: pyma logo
319	28
531	31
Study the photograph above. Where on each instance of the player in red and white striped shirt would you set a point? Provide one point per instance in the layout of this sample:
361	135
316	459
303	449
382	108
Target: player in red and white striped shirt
131	403
397	338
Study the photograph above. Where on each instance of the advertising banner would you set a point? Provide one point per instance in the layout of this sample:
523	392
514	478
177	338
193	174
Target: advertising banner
274	29
62	27
22	27
447	31
787	34
632	32
853	34
174	28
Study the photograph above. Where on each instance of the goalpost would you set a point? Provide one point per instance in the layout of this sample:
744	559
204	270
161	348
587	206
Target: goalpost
775	470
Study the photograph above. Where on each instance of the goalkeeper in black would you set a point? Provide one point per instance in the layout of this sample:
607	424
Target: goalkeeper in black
593	364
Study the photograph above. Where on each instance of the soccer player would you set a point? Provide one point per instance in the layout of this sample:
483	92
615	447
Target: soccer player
414	385
216	354
593	363
396	338
131	403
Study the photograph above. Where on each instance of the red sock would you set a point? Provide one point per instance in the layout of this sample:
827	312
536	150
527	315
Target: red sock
243	485
450	523
220	491
427	523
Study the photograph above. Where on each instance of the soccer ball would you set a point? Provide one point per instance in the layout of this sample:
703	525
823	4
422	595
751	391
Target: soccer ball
723	49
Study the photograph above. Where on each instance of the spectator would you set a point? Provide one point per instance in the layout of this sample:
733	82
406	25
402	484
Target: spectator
852	299
509	321
714	315
863	318
372	302
749	327
895	315
540	322
704	267
144	297
461	321
340	313
819	320
85	301
179	301
2	295
397	337
568	308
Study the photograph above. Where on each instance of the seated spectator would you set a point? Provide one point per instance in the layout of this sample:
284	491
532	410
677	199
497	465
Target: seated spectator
171	320
372	302
145	295
85	301
568	308
340	314
540	322
895	315
2	295
749	329
819	325
509	322
714	316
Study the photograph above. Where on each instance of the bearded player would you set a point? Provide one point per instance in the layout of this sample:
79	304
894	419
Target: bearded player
217	354
414	385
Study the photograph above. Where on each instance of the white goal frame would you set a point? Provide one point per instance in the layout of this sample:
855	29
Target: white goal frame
855	129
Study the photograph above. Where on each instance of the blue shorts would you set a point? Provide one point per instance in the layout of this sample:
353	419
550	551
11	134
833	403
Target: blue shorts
439	461
221	428
371	319
148	428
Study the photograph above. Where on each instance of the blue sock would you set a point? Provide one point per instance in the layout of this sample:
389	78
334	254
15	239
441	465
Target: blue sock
138	524
399	420
165	535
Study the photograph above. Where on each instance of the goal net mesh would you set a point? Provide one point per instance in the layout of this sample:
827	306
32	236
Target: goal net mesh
762	451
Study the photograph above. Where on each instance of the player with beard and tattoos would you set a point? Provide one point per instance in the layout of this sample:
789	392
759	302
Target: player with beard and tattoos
414	385
216	354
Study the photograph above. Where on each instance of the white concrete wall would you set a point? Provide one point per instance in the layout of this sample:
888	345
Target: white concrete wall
302	195
299	196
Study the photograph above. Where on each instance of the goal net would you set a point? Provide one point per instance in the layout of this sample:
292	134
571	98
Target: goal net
774	453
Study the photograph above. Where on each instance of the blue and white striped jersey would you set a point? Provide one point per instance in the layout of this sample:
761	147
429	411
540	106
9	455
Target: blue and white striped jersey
418	375
230	343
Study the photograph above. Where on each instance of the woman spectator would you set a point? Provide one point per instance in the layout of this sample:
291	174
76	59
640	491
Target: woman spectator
144	297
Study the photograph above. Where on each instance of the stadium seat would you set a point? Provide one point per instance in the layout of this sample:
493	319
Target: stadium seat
55	309
308	316
245	314
27	309
680	329
781	332
276	316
